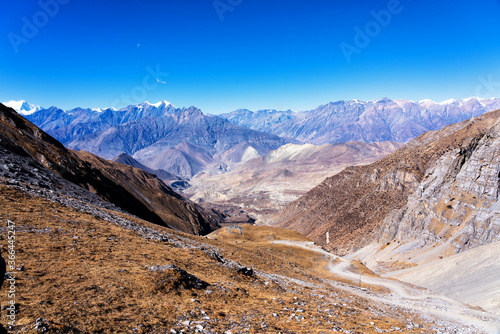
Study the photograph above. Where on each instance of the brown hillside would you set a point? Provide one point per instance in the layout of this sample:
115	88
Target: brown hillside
352	204
131	189
180	213
80	273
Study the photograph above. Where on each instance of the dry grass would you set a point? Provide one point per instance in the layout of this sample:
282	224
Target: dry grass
88	275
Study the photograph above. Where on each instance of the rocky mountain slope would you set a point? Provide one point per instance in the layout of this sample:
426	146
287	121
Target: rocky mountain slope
165	176
427	214
263	185
85	269
439	190
31	155
262	120
368	121
180	141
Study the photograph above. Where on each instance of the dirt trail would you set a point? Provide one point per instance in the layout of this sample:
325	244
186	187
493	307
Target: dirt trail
442	310
422	300
309	245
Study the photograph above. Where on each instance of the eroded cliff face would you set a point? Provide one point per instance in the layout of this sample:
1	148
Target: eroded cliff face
439	191
457	202
342	212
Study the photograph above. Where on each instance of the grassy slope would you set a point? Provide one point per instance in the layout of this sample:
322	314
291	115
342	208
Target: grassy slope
86	274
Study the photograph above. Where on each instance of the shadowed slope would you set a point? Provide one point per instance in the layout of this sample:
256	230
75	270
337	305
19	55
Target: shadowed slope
133	190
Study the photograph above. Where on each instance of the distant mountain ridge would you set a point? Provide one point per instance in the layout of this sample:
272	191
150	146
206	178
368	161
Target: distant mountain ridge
185	142
261	120
368	121
181	141
29	155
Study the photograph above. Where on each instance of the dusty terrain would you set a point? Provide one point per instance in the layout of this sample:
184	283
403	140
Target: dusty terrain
261	186
471	277
91	270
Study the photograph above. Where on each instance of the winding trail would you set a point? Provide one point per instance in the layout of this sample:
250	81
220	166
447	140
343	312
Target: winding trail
444	311
421	300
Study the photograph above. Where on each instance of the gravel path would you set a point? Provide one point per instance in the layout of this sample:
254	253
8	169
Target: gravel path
445	312
424	301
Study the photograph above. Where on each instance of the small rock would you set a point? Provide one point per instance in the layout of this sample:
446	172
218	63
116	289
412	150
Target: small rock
215	255
157	268
246	271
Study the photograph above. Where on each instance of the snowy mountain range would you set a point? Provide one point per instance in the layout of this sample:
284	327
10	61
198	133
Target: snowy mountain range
181	141
368	121
185	142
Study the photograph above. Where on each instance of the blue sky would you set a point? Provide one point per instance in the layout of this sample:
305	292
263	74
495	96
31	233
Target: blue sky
229	54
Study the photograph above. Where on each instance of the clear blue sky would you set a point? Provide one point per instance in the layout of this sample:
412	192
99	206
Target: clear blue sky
263	54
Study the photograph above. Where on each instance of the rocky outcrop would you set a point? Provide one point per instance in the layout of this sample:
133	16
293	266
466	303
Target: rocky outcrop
438	185
457	201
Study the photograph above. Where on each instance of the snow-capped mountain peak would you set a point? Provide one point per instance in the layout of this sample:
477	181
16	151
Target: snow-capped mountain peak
147	105
22	107
157	104
402	102
426	102
450	101
164	103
